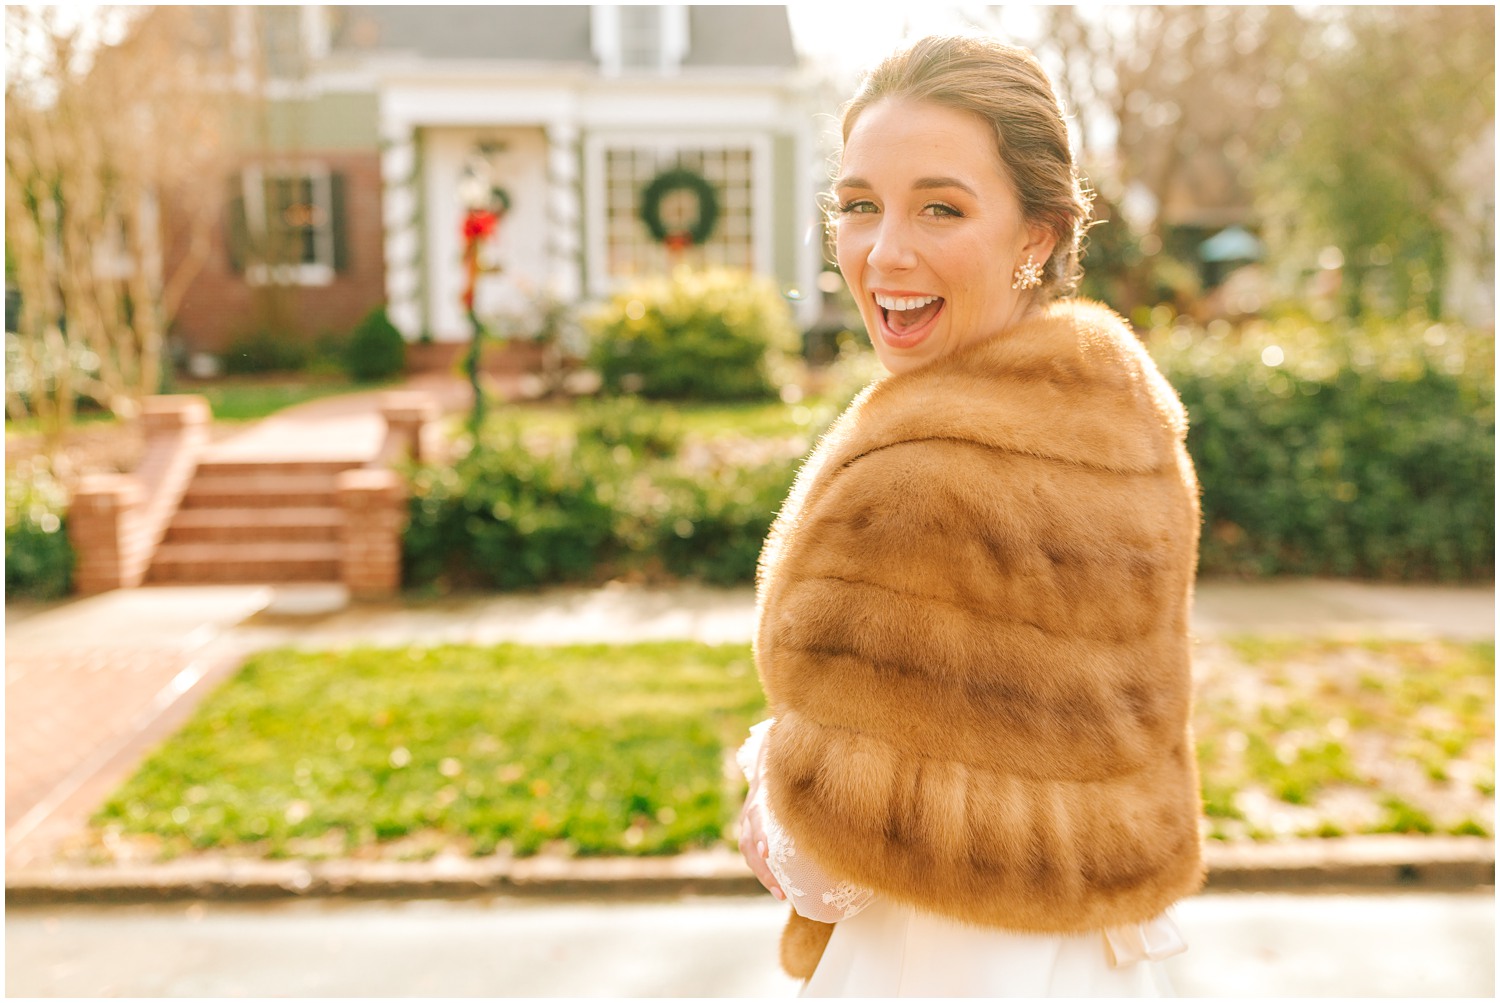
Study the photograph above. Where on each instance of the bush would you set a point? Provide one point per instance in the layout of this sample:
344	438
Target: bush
38	556
266	351
376	350
505	515
1333	450
625	421
714	526
706	335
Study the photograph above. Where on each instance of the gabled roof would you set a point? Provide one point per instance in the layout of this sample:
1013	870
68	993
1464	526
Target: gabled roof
731	36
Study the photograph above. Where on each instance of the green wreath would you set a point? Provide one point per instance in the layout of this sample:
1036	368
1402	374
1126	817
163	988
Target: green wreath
670	181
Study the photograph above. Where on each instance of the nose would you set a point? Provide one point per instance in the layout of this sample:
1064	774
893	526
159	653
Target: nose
893	250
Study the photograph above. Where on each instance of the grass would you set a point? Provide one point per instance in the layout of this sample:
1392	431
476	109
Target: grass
603	749
754	419
624	750
1375	736
247	398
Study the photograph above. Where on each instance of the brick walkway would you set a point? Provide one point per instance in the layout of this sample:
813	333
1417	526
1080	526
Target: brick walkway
91	684
61	707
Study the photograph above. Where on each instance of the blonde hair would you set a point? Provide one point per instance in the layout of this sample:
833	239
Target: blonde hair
1007	87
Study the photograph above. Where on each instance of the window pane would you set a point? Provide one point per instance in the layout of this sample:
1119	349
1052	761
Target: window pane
630	249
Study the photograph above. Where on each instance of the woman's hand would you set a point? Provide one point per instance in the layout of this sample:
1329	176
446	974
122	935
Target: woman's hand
753	841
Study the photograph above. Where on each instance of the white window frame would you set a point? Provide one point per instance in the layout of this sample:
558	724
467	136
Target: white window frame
253	188
596	204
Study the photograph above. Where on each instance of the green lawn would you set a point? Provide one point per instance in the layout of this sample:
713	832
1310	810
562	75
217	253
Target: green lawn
250	398
1326	737
608	749
625	750
754	419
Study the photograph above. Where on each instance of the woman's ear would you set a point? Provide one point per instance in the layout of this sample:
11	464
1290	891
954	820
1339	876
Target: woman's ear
1040	242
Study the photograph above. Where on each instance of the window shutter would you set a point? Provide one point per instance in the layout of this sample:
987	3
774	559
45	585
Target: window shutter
339	222
237	230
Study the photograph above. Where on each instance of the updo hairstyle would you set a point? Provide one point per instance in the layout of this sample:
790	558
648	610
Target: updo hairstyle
1006	86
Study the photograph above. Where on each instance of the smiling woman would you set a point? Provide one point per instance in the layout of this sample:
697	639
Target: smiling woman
927	216
979	777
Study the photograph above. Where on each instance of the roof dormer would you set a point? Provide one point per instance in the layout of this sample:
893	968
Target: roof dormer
640	38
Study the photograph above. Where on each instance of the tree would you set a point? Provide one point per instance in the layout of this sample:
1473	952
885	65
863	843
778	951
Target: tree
106	118
1386	102
1168	104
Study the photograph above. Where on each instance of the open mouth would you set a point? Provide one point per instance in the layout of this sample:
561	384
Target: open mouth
908	318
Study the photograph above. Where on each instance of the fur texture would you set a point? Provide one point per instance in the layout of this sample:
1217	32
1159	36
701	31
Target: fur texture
973	632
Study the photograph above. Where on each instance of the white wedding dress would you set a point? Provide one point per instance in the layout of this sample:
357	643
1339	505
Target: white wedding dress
884	948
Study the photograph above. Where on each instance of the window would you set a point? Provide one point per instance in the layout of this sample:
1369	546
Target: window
286	225
629	249
640	38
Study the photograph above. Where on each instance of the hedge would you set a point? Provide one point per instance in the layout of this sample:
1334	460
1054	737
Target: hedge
1339	450
1320	449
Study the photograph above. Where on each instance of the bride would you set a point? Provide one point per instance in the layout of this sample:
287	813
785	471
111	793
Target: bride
973	608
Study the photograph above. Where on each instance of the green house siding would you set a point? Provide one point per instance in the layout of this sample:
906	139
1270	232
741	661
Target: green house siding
347	121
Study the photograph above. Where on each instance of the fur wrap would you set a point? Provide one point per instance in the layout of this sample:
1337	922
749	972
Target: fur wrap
973	633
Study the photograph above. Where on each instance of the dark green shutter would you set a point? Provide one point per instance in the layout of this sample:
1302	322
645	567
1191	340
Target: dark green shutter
237	229
340	224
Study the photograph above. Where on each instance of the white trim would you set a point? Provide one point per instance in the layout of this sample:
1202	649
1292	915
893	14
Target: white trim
289	275
604	37
316	40
674	37
762	173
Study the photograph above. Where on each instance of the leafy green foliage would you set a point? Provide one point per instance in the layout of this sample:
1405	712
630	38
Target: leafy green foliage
707	335
505	515
267	351
1362	451
376	350
713	526
601	750
38	555
1379	147
643	430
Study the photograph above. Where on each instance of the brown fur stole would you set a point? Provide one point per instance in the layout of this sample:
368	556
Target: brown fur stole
973	633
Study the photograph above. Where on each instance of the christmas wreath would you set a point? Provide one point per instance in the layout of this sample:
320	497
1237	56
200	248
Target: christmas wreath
675	179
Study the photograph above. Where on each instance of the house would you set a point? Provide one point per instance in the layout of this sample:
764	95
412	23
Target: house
379	125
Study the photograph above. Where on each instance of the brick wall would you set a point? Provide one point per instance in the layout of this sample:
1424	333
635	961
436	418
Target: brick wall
220	304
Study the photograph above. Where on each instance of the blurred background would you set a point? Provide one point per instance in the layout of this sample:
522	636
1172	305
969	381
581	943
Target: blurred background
439	306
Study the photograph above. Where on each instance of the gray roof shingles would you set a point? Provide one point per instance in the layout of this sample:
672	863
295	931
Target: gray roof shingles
730	36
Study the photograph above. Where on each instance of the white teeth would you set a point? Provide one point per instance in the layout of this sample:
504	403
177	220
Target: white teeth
904	302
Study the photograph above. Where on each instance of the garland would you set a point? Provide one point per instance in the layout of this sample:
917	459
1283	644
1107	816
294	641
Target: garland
670	181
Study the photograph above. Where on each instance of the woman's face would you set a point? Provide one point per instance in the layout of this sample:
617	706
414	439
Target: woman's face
929	231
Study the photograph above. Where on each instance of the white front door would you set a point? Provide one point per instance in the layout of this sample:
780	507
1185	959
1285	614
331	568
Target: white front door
516	160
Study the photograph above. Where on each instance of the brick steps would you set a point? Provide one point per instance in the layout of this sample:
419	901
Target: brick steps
261	491
243	525
255	520
294	561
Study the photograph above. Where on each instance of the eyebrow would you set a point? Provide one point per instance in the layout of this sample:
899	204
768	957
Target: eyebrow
921	184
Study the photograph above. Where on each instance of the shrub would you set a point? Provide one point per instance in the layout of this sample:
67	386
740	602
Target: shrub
505	515
376	350
714	526
1333	450
38	556
707	335
625	421
266	351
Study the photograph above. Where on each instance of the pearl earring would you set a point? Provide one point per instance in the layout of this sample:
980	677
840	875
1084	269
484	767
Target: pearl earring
1027	276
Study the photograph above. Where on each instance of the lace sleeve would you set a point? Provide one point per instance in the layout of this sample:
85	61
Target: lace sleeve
811	890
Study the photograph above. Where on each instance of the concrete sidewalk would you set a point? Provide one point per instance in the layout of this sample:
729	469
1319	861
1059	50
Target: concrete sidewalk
92	684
